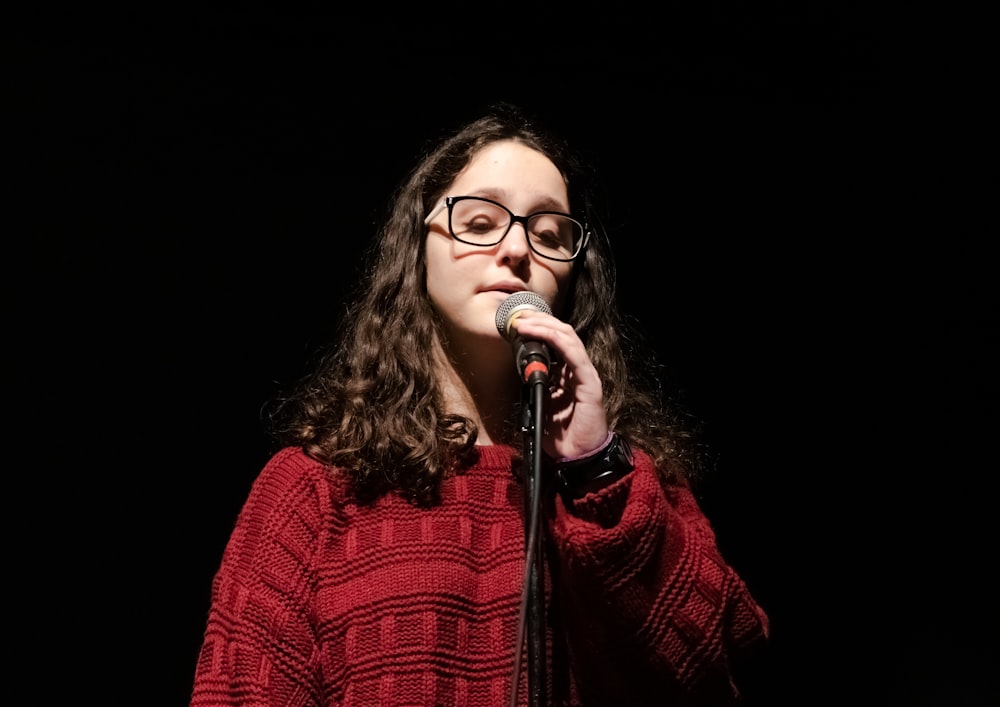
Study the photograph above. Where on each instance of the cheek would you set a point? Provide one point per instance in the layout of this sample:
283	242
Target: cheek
561	284
437	266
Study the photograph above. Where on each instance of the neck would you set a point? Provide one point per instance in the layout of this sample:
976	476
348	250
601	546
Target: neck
484	387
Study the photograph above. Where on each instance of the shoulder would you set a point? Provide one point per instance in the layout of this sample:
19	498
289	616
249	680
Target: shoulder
281	528
291	481
290	505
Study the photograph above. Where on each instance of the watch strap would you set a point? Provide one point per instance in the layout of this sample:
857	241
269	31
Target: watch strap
578	477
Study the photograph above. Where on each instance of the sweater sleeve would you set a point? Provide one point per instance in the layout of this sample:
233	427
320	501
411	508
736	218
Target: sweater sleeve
651	606
259	646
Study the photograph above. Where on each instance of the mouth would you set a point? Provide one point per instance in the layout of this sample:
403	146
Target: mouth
505	288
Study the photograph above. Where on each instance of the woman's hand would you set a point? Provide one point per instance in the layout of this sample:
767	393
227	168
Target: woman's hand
574	416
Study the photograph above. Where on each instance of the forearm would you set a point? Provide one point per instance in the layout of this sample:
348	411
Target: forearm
645	587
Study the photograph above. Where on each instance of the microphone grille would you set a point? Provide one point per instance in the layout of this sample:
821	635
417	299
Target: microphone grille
525	299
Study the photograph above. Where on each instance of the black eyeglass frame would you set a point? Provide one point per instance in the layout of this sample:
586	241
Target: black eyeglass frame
450	201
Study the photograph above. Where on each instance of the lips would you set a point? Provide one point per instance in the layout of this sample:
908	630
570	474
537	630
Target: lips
505	287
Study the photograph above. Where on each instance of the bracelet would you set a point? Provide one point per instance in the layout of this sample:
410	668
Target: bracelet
578	477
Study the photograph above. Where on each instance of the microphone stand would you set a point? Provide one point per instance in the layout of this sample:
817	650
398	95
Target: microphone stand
532	446
532	363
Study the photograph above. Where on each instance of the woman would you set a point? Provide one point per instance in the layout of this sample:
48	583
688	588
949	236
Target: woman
380	558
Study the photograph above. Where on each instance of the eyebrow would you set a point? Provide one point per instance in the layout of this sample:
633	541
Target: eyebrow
546	203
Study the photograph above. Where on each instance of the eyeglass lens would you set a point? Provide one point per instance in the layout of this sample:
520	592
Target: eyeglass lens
479	222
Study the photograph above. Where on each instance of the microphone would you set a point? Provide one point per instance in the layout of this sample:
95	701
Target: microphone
531	358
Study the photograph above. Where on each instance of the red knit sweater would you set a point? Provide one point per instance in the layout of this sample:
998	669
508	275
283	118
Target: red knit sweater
321	601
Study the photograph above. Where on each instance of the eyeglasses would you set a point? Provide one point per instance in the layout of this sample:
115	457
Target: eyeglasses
484	222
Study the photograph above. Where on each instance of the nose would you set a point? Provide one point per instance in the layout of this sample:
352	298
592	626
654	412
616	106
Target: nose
514	246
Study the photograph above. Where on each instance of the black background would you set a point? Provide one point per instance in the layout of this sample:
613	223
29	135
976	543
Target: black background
798	196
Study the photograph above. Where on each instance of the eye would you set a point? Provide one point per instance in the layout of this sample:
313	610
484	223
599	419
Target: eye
547	238
551	230
478	219
481	222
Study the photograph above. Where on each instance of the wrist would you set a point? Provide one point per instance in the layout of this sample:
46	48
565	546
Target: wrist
576	477
588	455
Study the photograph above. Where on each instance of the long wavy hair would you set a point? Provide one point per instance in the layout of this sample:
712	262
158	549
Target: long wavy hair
372	405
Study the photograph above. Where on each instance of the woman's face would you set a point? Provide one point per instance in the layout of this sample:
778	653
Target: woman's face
467	283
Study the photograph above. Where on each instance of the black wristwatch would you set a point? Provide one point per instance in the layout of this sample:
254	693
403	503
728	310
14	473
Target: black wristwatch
579	477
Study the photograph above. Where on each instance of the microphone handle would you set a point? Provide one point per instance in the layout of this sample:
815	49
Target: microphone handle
533	360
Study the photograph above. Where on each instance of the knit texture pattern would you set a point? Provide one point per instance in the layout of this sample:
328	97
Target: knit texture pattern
322	601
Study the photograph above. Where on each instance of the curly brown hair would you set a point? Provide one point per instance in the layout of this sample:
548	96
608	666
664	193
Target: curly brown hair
372	405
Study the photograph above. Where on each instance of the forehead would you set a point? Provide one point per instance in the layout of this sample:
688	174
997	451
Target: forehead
511	168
